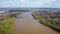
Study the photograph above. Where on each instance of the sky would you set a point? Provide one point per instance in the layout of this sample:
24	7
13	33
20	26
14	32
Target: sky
30	3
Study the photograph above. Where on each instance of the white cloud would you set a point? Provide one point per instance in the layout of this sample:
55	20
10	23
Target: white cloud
49	1
25	3
22	0
41	3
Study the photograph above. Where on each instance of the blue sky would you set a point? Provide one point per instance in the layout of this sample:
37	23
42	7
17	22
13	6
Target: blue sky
30	3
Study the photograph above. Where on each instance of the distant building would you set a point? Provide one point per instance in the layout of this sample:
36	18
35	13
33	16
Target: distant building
3	11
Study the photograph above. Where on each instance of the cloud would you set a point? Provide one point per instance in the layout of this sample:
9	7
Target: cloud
28	3
22	0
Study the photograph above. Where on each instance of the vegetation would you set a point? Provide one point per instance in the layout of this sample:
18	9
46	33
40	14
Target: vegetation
52	23
6	22
6	26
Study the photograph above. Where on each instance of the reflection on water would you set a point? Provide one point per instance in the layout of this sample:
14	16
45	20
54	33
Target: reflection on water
19	16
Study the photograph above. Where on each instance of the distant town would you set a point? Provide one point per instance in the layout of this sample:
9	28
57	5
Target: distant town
2	10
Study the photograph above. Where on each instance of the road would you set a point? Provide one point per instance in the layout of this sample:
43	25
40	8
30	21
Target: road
26	24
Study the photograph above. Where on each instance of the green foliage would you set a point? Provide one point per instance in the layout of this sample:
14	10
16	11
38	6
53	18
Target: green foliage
52	23
7	25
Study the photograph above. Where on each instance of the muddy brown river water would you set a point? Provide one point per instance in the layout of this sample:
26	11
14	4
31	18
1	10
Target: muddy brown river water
26	24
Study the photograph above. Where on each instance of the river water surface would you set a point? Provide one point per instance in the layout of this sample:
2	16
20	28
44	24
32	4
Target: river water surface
26	24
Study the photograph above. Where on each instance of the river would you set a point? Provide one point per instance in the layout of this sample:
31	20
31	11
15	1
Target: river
26	24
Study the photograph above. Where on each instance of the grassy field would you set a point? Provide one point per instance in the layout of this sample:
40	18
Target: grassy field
43	20
7	21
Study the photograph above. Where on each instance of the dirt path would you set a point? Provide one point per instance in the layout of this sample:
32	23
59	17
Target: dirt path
26	24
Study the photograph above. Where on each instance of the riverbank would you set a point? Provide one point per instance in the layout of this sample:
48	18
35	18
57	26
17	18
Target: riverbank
7	21
39	16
